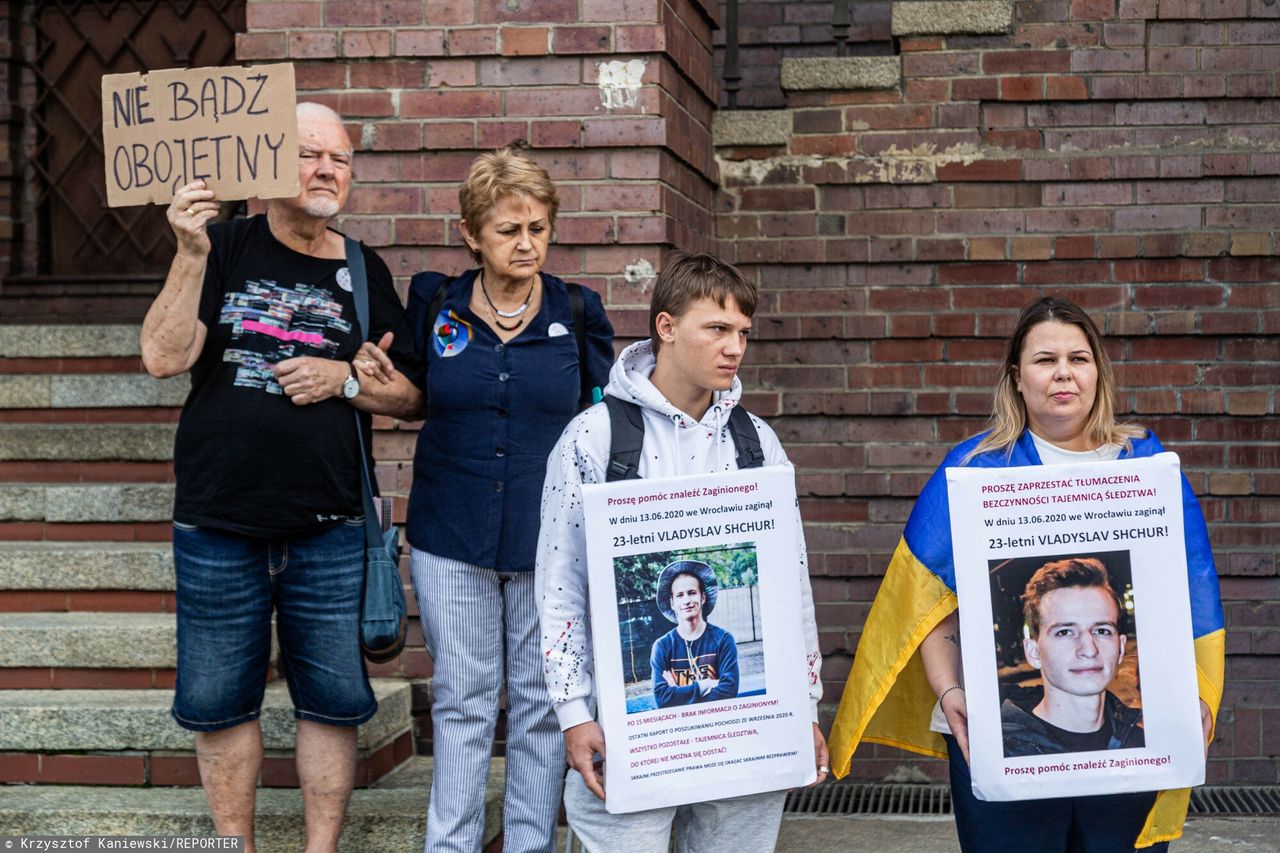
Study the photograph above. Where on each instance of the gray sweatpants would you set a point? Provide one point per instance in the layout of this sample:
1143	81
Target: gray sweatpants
739	825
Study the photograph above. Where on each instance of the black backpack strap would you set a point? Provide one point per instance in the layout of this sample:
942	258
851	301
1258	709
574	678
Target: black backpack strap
437	303
626	439
745	438
578	311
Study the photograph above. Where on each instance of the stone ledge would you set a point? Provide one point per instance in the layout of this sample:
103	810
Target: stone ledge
114	720
952	17
118	503
384	819
88	640
87	443
751	128
86	566
70	341
827	73
91	391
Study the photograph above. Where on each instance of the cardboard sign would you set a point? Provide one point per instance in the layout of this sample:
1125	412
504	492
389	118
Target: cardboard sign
236	128
1075	622
701	677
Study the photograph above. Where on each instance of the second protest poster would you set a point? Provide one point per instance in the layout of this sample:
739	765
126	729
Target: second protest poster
1075	617
699	654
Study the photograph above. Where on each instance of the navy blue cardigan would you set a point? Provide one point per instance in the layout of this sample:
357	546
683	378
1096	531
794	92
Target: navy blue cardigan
494	412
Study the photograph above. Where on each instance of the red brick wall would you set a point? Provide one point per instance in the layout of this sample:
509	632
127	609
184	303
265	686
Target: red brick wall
1119	154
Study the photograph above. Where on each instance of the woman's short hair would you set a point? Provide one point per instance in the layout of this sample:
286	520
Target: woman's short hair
686	278
498	174
1071	573
1009	410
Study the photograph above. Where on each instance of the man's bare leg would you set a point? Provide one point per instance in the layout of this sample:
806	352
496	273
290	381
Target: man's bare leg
326	759
229	761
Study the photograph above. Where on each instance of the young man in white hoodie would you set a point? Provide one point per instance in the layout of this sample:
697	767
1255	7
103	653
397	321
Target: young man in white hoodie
684	379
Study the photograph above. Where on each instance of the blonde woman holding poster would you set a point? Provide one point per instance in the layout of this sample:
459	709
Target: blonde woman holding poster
1054	404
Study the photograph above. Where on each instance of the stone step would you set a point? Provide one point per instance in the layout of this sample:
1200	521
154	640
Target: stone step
86	566
88	640
86	503
385	819
829	73
86	442
138	720
90	391
390	818
69	341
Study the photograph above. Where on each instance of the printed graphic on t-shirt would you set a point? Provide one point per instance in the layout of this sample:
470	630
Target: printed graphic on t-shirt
686	671
270	323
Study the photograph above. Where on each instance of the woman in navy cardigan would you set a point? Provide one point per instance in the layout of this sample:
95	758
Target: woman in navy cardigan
506	370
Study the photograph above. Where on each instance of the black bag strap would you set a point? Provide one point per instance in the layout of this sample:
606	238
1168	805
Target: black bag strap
626	439
745	438
437	303
360	292
578	311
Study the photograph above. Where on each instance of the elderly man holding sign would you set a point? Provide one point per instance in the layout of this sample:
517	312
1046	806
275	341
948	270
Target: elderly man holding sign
268	512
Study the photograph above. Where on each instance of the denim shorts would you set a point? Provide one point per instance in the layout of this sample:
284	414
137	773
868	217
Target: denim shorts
228	586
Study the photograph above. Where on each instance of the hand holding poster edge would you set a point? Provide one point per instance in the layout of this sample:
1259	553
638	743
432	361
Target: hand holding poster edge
1126	517
235	127
759	740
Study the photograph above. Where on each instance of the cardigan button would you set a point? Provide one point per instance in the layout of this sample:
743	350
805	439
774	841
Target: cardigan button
503	377
498	486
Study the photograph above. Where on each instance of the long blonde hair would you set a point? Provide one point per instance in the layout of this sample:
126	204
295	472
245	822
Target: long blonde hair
1009	410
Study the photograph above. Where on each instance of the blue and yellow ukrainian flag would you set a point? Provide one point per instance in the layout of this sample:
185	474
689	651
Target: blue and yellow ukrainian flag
887	699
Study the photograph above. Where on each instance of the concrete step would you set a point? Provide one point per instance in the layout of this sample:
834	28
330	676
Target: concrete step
69	341
90	391
88	640
390	818
952	17
86	566
86	503
138	720
805	74
87	442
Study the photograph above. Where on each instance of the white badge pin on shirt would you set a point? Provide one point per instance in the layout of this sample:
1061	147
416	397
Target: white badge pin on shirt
555	330
344	279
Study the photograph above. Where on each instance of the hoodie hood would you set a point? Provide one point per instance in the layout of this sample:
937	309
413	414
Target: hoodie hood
629	380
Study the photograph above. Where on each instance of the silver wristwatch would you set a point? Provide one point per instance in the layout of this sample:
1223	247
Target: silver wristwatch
351	387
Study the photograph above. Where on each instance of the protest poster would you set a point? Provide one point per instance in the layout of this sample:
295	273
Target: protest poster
234	127
701	678
1075	621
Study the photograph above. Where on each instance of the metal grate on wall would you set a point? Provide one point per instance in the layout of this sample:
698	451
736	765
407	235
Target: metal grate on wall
844	798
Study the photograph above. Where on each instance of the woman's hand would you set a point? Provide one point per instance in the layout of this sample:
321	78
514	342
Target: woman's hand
372	359
956	709
189	213
821	757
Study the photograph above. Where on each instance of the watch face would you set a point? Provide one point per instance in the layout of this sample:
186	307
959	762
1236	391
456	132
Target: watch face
350	388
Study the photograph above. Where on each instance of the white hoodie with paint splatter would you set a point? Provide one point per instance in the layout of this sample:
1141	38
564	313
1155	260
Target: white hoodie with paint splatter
674	445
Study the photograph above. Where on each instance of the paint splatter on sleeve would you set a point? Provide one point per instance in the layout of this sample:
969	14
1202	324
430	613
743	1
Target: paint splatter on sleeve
561	567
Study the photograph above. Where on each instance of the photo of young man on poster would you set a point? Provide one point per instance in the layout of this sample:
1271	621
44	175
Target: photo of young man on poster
695	661
1073	637
675	652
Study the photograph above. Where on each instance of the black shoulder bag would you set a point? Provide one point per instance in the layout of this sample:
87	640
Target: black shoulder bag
383	615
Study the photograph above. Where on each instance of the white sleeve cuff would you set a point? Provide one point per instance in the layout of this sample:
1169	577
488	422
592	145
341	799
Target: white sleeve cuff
575	712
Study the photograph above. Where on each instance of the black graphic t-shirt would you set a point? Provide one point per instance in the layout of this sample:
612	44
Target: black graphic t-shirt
247	459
